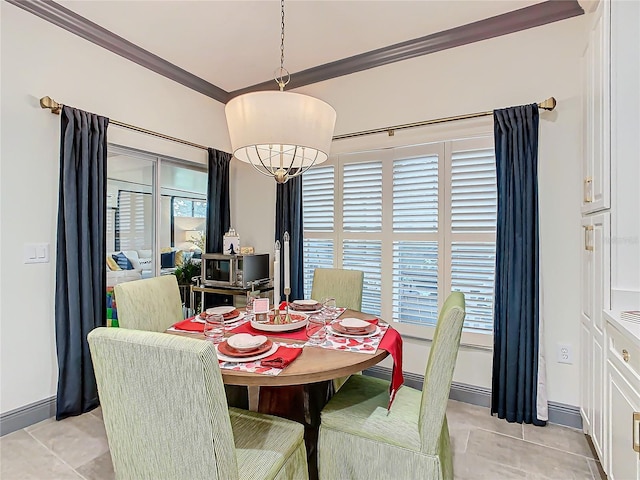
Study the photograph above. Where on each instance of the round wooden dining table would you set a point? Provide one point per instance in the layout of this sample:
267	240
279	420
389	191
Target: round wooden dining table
303	388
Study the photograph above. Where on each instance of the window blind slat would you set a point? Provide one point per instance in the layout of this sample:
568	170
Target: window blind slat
473	191
415	194
362	197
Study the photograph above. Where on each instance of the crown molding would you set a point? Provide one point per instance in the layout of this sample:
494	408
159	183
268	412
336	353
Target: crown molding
515	21
79	25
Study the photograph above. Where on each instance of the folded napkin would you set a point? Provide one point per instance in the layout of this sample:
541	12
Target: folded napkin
189	325
392	343
282	357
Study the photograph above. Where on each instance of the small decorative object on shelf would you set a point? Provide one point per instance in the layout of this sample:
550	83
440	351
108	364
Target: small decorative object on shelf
247	250
231	243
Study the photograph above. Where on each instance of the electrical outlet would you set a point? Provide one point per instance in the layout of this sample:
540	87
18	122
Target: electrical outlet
565	354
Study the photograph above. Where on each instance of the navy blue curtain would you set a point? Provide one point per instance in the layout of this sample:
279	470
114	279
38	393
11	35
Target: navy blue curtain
289	219
218	216
516	315
80	256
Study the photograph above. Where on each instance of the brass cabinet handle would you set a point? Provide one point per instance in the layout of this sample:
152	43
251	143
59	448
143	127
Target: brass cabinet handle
636	431
625	354
588	182
588	247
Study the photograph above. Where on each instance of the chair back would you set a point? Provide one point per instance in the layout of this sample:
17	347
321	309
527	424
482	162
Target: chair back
439	372
343	285
153	304
163	405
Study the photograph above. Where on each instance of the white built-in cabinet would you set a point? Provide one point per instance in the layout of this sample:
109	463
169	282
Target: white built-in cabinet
610	348
623	399
595	298
596	166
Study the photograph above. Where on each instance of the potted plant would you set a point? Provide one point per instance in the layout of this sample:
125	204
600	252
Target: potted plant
185	274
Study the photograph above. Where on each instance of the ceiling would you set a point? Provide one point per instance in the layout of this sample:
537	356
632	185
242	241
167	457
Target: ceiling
236	44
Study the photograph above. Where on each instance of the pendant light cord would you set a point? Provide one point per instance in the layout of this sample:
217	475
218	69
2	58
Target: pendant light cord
283	72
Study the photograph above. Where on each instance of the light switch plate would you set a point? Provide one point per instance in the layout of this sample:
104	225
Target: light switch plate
36	253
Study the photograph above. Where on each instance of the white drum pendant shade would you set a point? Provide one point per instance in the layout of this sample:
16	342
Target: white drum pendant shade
278	131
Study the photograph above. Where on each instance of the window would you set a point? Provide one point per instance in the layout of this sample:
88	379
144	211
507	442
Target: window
183	207
318	214
419	221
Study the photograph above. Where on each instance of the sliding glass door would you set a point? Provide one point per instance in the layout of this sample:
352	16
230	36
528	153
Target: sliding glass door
156	210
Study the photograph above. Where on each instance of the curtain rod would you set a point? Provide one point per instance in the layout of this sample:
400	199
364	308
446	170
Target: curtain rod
55	107
548	104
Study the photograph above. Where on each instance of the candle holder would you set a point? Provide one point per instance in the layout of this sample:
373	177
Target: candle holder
277	319
287	292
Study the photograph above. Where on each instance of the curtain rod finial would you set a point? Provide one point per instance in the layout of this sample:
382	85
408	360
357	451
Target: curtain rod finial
48	102
548	104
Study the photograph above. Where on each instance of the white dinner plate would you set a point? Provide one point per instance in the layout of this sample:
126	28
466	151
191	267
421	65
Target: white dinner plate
338	334
224	358
246	341
305	302
220	310
226	322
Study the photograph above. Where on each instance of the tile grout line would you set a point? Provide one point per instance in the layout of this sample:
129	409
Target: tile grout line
57	456
539	444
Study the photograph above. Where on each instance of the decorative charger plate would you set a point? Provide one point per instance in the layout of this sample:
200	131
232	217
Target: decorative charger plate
225	349
226	358
338	327
235	319
300	321
333	331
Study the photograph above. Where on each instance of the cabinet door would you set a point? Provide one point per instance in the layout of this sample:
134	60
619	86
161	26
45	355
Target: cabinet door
595	297
586	375
624	400
598	394
596	274
596	112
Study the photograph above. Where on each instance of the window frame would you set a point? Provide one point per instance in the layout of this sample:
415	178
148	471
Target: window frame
474	136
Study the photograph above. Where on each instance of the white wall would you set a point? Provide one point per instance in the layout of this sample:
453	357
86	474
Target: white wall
625	166
520	68
41	59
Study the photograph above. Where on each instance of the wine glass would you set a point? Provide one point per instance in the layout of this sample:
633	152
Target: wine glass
214	328
329	308
316	329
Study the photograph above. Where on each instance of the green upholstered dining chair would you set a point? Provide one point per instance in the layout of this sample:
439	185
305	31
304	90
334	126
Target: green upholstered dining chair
358	439
166	416
153	304
343	285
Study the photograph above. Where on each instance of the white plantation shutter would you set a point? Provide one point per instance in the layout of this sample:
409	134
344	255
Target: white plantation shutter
415	282
366	256
431	220
362	197
473	191
415	194
131	228
472	273
317	253
318	190
317	199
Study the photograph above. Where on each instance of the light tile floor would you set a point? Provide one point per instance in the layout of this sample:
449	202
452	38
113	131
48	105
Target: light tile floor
484	448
